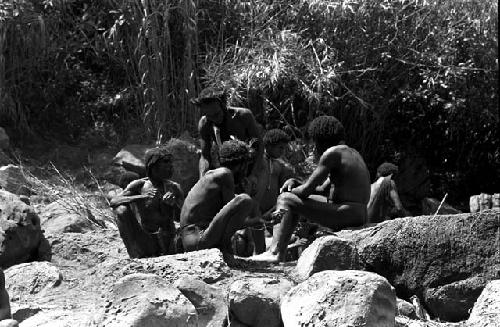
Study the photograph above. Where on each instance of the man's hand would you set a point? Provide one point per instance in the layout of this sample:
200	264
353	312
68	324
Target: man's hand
289	185
152	193
169	198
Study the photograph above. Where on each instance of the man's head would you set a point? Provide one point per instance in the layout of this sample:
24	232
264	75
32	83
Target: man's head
386	169
158	163
212	104
326	131
276	142
235	155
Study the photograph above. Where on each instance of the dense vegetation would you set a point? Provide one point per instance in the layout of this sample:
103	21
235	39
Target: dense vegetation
408	78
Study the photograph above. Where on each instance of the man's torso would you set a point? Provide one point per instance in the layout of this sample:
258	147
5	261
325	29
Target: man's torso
350	179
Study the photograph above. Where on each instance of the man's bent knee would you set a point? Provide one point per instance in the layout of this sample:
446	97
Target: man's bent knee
288	200
243	200
121	210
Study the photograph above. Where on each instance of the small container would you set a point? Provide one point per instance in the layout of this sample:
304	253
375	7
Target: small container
484	202
495	202
474	203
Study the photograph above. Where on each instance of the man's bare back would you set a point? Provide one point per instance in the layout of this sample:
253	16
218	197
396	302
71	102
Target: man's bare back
206	197
350	176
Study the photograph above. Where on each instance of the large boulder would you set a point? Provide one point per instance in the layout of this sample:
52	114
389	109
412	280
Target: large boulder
420	253
131	157
31	278
486	311
209	301
13	180
327	253
340	298
21	237
67	216
256	301
146	300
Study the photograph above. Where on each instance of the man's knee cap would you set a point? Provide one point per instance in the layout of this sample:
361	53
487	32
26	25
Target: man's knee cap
287	198
121	210
243	199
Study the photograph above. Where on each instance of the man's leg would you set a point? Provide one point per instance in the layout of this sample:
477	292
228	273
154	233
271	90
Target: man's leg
227	221
316	209
138	243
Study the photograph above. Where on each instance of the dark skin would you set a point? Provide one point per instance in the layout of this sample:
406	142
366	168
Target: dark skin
158	201
347	172
231	121
213	207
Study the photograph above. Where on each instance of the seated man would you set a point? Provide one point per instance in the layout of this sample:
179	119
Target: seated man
345	207
212	213
274	173
384	199
146	209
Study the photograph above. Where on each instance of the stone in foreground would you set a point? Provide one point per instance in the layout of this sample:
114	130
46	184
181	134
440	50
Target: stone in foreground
486	311
146	300
340	298
31	278
256	301
327	253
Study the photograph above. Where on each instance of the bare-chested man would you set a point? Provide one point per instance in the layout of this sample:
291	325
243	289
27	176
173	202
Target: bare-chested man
212	213
219	123
346	206
146	209
384	198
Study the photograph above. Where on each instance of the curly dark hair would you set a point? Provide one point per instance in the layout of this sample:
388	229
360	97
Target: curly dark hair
234	152
387	169
209	95
156	154
326	130
275	136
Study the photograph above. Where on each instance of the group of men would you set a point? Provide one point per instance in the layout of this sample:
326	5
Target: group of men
244	187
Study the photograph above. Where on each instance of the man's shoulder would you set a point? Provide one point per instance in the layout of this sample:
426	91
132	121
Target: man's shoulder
241	112
219	173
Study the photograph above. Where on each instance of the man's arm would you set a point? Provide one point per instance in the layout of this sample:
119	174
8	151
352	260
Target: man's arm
131	193
253	133
393	194
206	146
328	162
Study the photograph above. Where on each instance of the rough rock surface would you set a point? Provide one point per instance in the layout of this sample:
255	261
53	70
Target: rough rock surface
256	301
208	301
486	311
30	278
13	180
21	237
131	157
66	216
402	321
327	253
146	300
455	297
340	298
406	309
9	323
207	265
418	253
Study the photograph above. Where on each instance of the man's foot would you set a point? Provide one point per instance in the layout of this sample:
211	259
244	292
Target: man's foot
265	257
